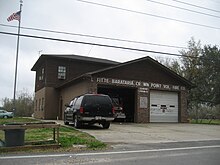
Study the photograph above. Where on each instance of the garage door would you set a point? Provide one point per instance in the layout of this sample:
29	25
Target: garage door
163	106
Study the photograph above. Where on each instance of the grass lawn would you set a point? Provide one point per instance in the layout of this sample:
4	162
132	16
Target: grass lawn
206	121
68	136
17	120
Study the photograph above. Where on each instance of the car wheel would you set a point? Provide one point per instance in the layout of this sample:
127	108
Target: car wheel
65	122
77	123
106	125
5	117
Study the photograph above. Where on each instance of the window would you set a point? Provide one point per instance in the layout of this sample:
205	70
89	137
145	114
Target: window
163	106
42	104
36	106
73	102
61	72
39	104
42	73
41	76
78	102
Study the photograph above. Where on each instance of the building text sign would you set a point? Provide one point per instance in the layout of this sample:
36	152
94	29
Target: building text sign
143	102
136	83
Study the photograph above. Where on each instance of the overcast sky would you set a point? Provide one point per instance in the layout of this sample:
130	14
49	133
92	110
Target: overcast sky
79	17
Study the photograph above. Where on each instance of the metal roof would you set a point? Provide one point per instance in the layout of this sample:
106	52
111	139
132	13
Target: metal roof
73	57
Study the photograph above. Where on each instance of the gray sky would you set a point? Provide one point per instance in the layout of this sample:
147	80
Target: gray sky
79	17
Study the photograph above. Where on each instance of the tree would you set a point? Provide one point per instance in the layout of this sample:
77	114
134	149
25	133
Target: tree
201	66
210	62
24	104
191	70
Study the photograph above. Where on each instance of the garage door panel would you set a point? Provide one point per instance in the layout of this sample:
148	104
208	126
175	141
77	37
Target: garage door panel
163	106
164	119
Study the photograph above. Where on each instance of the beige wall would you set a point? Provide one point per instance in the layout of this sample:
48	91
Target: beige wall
39	109
51	103
68	93
46	103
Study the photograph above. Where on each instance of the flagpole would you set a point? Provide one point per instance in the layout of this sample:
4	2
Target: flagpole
16	62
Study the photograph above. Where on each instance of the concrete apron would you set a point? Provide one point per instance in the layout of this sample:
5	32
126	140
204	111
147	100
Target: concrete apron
155	133
133	133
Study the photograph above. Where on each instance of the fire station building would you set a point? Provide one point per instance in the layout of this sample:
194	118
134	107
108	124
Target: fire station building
150	92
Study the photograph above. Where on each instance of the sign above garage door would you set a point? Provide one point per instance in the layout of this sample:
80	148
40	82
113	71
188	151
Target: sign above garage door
135	83
163	106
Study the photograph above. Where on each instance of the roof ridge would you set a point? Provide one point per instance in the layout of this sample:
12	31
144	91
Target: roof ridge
81	57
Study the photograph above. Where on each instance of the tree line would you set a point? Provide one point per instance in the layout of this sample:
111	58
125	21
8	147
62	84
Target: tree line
24	104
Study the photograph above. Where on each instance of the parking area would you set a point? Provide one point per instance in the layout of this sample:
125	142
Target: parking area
132	133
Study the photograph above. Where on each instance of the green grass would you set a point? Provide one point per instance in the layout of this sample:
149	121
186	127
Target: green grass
68	136
206	121
17	120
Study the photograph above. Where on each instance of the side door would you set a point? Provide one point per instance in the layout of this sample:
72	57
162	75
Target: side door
77	105
73	109
69	112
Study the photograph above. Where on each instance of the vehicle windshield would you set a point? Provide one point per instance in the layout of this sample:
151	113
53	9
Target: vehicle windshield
96	99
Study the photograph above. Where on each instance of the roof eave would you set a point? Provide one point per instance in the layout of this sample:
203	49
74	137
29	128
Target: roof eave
82	77
182	79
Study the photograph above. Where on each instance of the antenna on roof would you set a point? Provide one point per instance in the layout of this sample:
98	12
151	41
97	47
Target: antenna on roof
39	52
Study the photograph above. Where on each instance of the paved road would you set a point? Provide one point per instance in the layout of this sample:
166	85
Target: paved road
139	144
208	153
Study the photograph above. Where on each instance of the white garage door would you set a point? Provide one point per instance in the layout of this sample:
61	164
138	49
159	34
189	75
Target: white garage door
163	106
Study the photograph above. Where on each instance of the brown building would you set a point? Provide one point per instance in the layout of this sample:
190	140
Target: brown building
150	91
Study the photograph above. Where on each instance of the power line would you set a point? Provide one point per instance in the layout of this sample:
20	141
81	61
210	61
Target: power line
181	8
98	37
103	45
201	7
152	15
95	44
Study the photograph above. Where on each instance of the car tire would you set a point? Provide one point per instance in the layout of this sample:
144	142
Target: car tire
65	122
106	125
77	123
5	117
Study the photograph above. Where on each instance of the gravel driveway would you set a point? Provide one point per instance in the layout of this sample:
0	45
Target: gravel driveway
132	133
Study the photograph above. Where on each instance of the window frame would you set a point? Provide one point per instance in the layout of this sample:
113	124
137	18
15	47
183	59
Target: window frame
61	72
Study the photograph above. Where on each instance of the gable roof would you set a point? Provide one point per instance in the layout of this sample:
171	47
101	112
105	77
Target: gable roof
72	57
172	73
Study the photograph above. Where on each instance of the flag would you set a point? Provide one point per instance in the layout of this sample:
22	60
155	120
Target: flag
14	16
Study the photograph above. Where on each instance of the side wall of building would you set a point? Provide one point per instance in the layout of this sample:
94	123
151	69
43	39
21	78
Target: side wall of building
68	93
49	77
39	110
51	103
46	103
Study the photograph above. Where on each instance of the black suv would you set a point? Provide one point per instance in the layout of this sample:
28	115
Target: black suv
90	108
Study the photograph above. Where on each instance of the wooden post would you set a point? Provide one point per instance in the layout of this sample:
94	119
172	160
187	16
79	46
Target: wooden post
58	132
54	134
